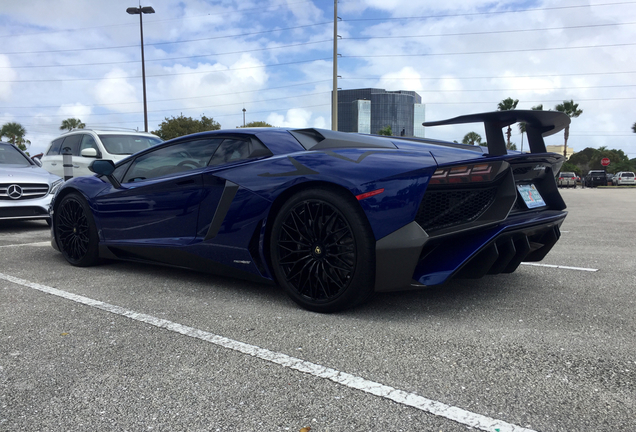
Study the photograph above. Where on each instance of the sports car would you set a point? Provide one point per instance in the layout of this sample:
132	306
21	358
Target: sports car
331	217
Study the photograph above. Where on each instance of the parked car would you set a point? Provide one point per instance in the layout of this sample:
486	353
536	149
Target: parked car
610	179
330	216
566	179
596	178
25	188
86	145
624	178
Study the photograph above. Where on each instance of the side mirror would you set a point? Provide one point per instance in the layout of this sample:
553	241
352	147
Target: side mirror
106	168
89	152
37	161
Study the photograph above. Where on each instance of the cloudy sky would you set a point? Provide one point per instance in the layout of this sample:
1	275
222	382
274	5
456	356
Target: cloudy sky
81	58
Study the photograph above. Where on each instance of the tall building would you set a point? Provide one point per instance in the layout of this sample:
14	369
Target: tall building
369	110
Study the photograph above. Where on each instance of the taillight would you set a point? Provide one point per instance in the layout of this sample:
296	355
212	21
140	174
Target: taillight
464	174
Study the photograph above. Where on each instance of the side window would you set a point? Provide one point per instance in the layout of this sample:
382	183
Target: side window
56	145
231	150
176	158
121	170
88	142
73	142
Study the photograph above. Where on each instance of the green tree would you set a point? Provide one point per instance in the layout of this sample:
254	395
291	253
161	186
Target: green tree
179	126
572	110
72	123
506	105
15	133
257	124
387	130
472	138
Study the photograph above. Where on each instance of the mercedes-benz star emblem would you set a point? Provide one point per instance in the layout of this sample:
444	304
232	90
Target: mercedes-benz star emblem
14	191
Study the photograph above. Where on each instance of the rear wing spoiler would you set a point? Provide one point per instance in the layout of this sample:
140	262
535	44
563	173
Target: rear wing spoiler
538	125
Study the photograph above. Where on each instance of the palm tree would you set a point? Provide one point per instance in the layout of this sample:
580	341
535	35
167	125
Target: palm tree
506	105
572	110
15	132
472	138
522	125
72	123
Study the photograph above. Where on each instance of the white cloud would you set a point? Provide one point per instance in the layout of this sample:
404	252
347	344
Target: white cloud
116	93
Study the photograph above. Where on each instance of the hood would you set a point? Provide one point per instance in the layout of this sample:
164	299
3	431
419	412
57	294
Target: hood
27	174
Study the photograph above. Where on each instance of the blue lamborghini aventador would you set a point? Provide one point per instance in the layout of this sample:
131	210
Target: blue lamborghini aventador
329	216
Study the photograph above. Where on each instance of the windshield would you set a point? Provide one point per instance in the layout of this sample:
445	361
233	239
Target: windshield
127	144
627	174
10	155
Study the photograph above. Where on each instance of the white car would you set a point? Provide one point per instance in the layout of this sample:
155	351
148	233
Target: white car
86	145
25	188
624	178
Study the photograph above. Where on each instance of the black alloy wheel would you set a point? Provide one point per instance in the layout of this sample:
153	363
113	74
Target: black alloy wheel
75	231
322	251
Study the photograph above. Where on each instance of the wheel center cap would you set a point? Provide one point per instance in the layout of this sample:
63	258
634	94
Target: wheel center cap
318	251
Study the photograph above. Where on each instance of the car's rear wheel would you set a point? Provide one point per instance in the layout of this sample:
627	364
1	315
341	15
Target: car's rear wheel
75	231
323	251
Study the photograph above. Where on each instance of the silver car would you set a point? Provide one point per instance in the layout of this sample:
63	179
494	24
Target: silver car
25	188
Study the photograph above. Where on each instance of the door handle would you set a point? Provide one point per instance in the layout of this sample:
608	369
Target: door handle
53	163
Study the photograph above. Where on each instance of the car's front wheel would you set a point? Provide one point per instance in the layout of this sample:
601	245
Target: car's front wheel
75	231
323	251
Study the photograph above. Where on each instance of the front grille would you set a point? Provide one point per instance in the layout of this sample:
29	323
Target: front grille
19	212
442	209
28	191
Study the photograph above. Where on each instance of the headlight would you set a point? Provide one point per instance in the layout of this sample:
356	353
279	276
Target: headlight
55	186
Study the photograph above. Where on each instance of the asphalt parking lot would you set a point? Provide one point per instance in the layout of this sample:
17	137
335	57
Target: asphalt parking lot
132	347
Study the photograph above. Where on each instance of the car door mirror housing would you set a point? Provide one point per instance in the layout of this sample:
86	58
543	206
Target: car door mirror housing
103	167
89	152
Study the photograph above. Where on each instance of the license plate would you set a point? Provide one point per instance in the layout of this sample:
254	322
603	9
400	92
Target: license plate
531	196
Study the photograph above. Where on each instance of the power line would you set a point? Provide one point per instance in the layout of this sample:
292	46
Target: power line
490	52
151	22
170	74
168	43
168	58
187	108
490	77
489	32
486	13
176	99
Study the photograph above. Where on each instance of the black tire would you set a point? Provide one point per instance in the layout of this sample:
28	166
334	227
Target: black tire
323	251
75	231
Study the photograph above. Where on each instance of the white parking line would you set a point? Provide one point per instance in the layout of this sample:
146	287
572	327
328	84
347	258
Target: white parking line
39	244
560	267
440	409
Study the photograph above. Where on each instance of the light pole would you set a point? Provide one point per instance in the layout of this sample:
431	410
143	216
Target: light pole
244	117
140	11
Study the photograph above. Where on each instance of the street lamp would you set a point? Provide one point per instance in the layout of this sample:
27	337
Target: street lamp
140	11
244	117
